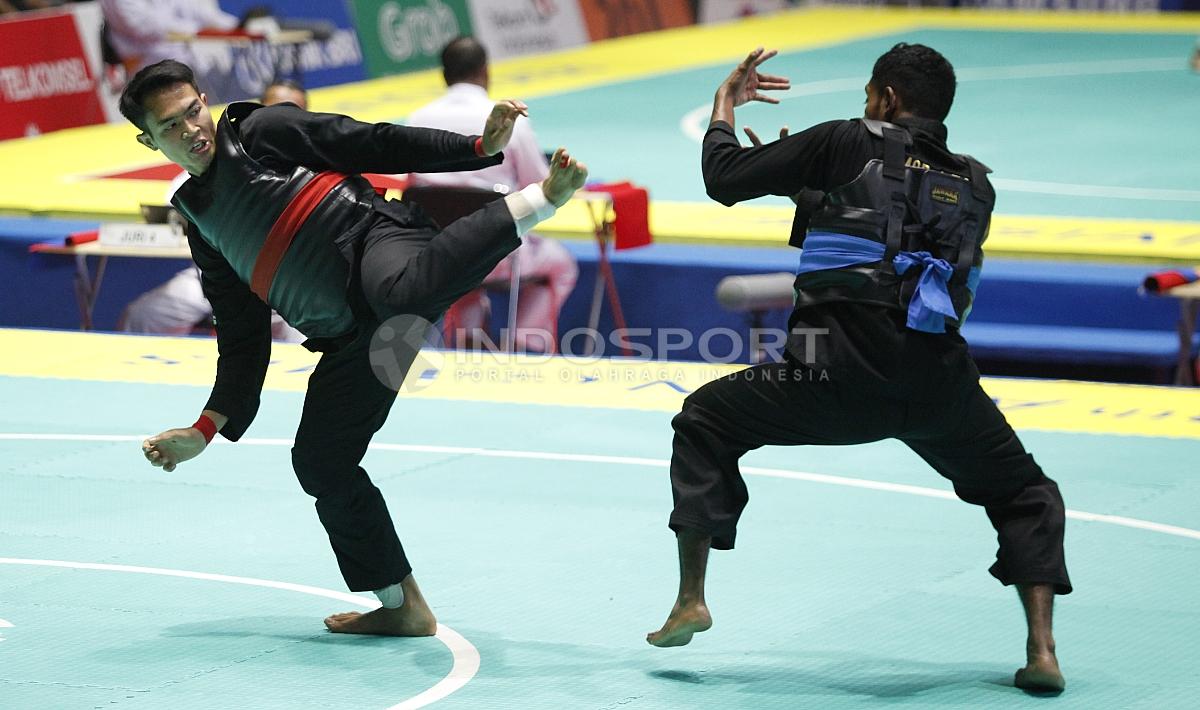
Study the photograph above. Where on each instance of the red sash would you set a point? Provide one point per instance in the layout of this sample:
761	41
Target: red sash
283	232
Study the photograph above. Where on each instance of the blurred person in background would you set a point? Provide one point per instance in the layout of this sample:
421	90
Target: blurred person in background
548	271
137	30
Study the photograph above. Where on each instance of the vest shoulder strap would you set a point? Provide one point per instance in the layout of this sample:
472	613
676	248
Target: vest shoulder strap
894	152
876	128
981	189
895	144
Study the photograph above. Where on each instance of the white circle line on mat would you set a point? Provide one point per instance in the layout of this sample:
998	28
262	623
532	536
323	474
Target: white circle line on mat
906	489
465	655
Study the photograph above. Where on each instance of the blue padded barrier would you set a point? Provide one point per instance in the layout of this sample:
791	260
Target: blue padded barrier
1035	311
37	290
1076	344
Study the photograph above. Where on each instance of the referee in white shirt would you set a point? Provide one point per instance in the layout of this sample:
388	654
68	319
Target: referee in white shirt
547	267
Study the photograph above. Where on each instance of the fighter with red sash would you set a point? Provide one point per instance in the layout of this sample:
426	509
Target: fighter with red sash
280	217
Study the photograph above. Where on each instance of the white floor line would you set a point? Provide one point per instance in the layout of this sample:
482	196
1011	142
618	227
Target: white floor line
922	491
1106	191
466	656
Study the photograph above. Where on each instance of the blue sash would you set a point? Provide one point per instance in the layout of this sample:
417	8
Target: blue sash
930	304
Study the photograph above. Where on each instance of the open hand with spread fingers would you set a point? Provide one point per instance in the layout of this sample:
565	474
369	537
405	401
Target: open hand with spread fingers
745	83
499	127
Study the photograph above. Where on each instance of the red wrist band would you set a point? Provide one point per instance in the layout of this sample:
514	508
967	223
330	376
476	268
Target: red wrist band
479	147
207	427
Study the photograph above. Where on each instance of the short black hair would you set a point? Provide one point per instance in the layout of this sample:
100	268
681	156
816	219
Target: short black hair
920	76
155	77
463	58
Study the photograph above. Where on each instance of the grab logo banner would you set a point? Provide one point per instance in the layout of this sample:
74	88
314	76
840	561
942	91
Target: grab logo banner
46	82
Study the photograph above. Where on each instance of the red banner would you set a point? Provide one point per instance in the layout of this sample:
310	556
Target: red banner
617	18
45	81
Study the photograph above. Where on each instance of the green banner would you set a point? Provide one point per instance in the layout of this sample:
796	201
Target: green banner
405	35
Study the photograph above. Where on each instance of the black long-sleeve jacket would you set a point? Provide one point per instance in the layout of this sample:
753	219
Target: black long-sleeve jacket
865	345
281	137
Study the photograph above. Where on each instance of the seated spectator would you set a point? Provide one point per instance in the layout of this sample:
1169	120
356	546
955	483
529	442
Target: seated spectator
178	306
547	269
137	30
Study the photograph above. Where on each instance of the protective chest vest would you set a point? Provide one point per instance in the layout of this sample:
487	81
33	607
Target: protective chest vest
278	230
900	235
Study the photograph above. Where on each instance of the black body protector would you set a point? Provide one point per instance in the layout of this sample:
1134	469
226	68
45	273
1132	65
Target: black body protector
908	207
243	211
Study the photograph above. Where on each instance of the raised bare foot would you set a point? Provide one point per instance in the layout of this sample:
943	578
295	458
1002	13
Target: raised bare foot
1041	674
685	620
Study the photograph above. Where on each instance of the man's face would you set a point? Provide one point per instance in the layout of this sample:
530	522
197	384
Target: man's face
278	94
179	124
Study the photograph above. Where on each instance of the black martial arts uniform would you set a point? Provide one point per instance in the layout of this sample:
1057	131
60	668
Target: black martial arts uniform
869	378
391	261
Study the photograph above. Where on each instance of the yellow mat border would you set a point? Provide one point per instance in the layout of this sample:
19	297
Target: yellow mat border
1046	405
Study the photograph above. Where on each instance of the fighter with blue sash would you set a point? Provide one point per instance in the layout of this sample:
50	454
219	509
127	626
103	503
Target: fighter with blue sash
892	255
